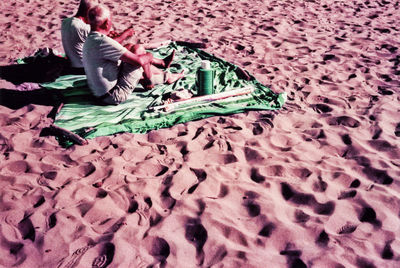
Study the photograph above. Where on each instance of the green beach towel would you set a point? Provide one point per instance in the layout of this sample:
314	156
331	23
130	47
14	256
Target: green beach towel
81	115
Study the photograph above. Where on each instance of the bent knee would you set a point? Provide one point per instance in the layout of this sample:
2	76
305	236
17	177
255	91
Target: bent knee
138	49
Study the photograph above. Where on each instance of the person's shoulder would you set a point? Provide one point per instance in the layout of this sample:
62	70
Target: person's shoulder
78	21
109	40
95	38
92	35
80	25
67	21
99	36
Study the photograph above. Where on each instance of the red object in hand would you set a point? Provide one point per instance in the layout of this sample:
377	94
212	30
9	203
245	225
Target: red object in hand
113	34
129	32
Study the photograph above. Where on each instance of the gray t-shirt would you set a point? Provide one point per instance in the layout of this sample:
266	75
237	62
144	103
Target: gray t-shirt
73	34
101	56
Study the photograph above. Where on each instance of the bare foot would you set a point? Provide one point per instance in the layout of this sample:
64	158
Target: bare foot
171	78
164	63
146	83
168	60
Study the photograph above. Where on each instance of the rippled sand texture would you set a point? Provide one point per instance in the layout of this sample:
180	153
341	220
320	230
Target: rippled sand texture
312	185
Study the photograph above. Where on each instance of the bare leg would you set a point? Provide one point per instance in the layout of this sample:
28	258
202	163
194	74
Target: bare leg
148	82
159	77
151	69
172	78
160	63
168	60
136	49
129	46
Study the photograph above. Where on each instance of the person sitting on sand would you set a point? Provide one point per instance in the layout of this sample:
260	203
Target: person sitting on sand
74	32
112	70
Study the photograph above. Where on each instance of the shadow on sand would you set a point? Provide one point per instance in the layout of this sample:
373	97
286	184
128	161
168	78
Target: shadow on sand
35	69
14	99
39	70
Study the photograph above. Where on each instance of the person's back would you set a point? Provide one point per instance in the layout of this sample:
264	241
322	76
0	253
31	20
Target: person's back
101	56
112	70
74	32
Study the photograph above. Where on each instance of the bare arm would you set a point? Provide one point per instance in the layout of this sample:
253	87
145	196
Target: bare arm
124	35
157	44
143	61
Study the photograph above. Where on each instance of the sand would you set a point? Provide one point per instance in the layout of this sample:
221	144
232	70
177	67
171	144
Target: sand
314	184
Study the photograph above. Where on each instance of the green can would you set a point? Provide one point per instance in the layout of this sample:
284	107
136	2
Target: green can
205	80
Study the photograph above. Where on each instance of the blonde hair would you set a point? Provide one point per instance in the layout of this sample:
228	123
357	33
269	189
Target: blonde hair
98	15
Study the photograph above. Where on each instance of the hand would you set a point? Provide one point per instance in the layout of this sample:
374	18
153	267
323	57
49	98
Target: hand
113	34
129	32
149	56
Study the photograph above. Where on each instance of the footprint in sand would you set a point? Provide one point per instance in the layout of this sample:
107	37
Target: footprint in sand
133	206
381	145
218	255
346	139
15	248
253	209
74	259
368	214
293	257
101	193
267	229
361	262
40	202
328	57
344	121
256	176
387	252
26	229
223	191
52	221
321	108
348	228
86	169
319	185
196	234
397	130
201	176
253	156
377	175
306	199
355	183
323	239
301	216
160	249
257	129
106	256
18	167
99	262
84	207
275	170
384	91
51	175
347	194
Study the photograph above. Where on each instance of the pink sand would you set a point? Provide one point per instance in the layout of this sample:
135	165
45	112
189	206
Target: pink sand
314	184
